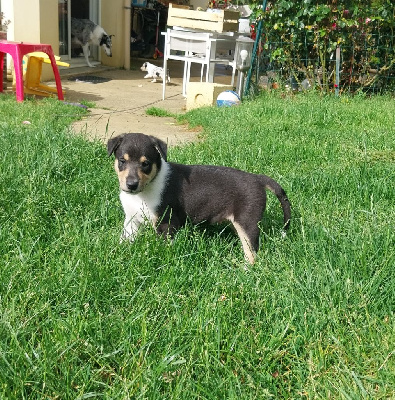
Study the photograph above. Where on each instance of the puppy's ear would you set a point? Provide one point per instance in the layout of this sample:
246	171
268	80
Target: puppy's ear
161	146
114	143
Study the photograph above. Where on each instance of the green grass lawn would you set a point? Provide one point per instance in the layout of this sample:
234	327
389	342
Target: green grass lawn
82	316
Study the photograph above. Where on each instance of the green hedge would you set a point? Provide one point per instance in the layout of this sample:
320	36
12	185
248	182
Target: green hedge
300	38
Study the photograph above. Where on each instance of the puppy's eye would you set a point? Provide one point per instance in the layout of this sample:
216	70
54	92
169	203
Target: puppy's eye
121	162
145	164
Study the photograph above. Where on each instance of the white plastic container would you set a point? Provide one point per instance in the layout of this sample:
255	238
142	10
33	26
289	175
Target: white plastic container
244	25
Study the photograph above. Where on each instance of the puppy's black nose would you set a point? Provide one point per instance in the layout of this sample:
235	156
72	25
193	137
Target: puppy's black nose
132	185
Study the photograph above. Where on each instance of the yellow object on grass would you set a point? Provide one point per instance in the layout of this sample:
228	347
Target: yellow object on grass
32	68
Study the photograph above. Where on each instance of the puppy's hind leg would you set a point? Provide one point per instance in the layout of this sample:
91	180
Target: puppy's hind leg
85	49
248	233
156	75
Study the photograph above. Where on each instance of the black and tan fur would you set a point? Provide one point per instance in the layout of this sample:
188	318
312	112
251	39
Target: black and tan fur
167	194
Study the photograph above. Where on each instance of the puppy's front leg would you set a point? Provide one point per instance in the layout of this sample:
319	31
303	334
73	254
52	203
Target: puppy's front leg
147	76
130	229
168	229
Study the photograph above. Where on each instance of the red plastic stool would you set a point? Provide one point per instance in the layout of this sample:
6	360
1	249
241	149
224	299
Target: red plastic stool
17	50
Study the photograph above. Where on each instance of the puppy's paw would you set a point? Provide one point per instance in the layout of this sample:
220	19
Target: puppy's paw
127	236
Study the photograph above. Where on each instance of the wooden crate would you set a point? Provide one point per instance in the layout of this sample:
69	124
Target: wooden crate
201	94
221	21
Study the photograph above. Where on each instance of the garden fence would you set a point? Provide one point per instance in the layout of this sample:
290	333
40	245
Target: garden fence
299	63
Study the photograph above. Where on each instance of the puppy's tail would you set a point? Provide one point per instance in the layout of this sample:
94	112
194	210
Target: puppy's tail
275	188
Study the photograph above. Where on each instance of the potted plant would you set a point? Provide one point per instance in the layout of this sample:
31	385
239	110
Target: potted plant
3	26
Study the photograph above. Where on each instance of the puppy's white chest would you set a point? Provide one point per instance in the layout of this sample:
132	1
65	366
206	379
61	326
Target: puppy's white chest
136	208
142	207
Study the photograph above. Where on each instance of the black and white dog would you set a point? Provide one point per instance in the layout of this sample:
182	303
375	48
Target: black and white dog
154	72
169	194
85	32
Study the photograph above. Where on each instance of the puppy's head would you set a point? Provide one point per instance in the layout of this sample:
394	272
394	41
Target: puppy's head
106	43
138	159
144	67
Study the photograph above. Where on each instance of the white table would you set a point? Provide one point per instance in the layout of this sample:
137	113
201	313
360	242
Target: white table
198	47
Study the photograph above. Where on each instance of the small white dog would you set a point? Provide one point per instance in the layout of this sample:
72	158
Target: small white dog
154	72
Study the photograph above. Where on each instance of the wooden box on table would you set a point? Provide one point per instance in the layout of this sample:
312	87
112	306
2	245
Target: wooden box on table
218	21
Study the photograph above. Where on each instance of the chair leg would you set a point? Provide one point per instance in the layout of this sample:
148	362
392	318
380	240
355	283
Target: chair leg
233	75
1	70
186	77
17	58
57	76
165	77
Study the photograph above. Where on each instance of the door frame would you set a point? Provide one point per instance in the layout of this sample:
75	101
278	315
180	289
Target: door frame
95	16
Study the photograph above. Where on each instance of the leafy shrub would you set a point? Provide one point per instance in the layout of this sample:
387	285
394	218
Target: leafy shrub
300	38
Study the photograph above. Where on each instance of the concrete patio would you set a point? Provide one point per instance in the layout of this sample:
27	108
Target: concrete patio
122	97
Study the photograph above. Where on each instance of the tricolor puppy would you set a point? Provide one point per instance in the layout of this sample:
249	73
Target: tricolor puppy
154	72
85	32
167	194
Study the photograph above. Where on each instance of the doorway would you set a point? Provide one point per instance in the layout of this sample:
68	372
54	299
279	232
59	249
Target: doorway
85	9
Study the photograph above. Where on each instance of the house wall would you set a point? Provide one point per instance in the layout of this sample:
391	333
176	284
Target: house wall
113	22
49	31
49	24
25	21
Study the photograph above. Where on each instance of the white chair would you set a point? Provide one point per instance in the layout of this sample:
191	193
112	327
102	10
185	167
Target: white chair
198	47
195	48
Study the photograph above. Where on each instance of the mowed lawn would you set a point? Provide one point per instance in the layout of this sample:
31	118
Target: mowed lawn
82	316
